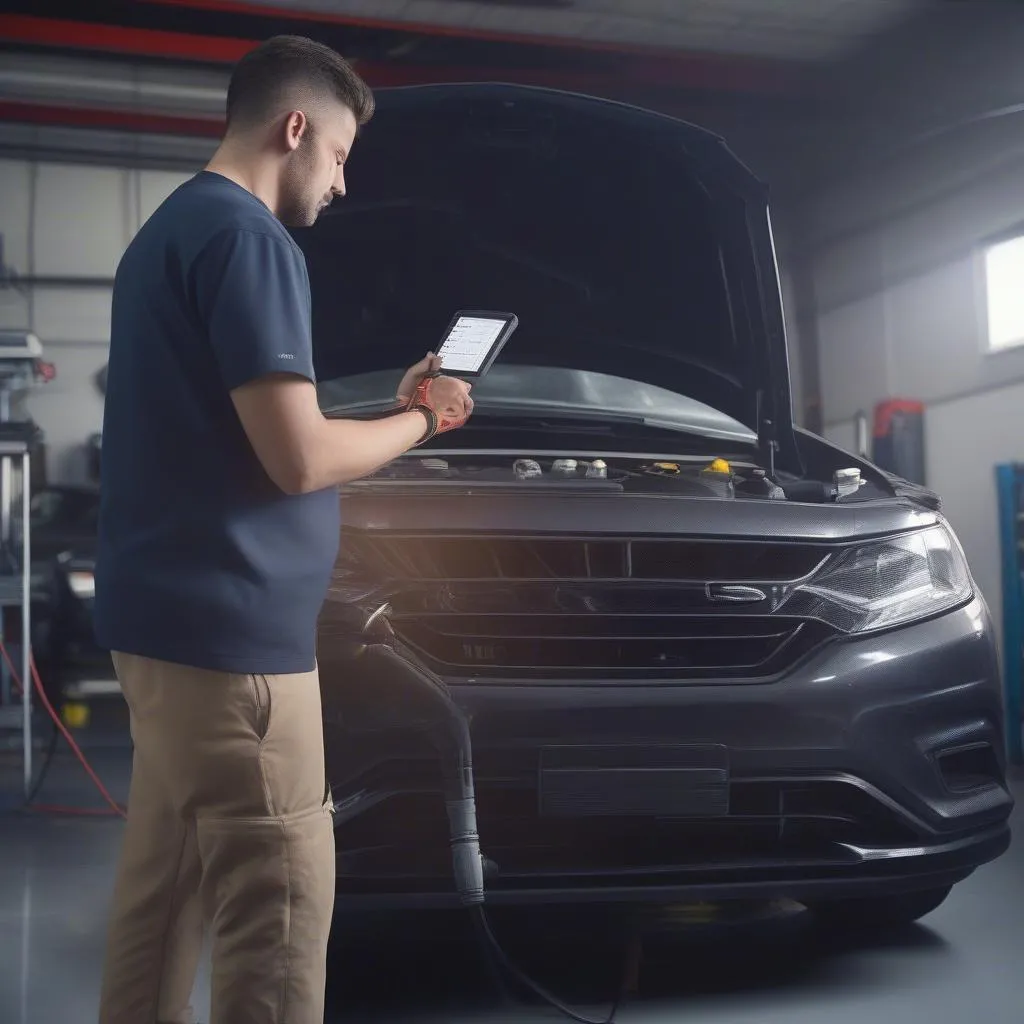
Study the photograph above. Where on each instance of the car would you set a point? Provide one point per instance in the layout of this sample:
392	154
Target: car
700	653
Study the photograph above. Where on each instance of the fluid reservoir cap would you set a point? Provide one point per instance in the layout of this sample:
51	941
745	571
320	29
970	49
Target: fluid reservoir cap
564	467
667	467
719	466
847	481
527	469
598	469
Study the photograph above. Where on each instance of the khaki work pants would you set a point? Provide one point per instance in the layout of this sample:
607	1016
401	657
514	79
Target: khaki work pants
229	830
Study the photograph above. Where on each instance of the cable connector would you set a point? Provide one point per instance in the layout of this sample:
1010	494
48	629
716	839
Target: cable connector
467	861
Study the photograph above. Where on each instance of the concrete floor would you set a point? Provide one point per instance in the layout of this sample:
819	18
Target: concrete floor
962	964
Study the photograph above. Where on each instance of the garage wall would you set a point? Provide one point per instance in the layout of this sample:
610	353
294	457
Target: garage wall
901	314
64	228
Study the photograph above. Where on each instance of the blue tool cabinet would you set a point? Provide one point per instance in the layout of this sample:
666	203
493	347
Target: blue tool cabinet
1010	488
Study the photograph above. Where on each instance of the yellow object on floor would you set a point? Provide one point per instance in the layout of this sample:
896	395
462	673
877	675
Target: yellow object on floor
75	716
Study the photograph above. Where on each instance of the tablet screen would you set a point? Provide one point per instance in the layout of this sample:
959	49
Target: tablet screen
469	343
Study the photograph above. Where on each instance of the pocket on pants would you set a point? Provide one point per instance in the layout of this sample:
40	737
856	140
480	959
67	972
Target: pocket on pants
261	704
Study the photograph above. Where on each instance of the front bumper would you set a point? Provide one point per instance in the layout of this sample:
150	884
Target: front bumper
875	766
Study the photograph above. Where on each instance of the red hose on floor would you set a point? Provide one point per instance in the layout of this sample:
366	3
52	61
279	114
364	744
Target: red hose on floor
114	807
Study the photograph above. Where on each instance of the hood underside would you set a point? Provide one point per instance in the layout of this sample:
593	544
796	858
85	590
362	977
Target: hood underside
628	243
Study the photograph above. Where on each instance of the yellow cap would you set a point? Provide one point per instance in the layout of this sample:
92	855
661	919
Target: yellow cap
75	716
719	466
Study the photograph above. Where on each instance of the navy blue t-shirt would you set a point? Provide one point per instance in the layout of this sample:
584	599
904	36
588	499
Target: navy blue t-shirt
203	560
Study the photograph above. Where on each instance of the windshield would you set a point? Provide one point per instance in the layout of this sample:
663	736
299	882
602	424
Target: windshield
549	391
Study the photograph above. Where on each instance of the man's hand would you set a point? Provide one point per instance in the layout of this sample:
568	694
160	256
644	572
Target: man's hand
445	401
429	364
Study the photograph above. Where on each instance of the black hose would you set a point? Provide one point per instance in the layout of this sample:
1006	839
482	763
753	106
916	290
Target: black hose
455	747
453	741
44	767
487	937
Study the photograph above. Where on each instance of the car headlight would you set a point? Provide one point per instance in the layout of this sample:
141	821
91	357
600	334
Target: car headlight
886	583
82	583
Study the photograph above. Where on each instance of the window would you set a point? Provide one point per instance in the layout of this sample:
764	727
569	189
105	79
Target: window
1004	289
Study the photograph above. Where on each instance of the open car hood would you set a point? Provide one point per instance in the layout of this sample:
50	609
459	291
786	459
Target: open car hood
628	243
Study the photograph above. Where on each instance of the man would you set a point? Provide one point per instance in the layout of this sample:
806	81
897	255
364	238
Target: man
219	530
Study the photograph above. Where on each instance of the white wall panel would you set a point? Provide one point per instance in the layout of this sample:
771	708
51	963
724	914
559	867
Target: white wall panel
72	314
155	187
843	433
14	309
14	218
69	408
933	331
82	224
847	269
854	358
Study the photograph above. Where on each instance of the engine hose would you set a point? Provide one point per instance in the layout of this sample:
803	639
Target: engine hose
453	742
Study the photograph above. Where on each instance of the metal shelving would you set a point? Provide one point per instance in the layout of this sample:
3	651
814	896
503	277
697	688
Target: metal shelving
16	589
21	369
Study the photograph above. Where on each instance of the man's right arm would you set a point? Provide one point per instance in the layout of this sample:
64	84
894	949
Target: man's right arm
302	450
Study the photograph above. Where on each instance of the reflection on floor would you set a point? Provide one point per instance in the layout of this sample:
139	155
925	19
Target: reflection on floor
962	964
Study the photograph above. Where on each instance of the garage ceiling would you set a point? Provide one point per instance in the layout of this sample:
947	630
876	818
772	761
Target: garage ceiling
804	30
147	77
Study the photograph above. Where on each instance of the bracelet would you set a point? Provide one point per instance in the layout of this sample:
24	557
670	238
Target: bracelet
432	422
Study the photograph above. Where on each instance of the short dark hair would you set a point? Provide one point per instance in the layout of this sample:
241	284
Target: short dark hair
264	74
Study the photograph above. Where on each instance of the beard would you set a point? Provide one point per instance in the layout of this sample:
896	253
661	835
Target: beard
300	203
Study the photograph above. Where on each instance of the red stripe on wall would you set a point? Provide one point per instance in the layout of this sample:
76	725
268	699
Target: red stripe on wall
675	73
117	120
23	28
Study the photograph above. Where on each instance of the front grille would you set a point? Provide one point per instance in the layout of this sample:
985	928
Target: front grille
458	559
564	645
563	607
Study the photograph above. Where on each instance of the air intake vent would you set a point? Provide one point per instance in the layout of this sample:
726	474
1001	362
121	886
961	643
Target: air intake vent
969	768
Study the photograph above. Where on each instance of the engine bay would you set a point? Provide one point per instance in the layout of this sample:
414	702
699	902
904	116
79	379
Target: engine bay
718	478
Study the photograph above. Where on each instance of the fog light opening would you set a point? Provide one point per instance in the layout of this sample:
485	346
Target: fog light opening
969	768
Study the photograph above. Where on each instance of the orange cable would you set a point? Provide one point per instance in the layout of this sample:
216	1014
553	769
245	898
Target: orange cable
115	807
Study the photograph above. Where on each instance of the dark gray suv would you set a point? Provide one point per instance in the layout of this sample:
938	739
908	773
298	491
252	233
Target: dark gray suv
700	653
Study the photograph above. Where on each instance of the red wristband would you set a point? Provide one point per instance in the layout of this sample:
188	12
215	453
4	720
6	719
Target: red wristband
436	423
